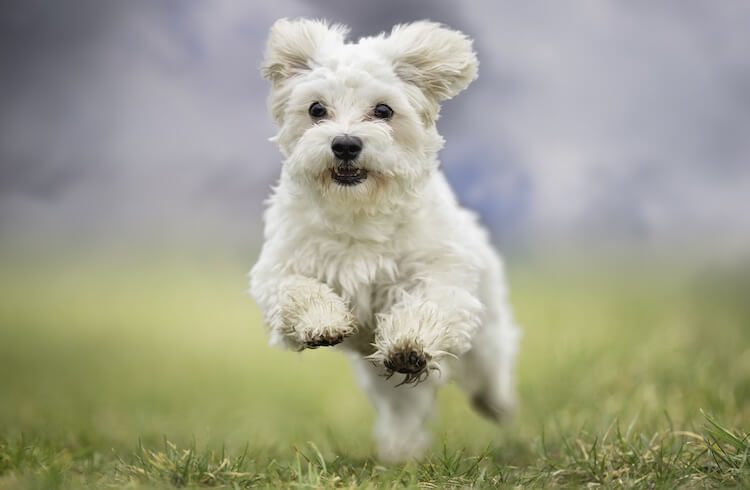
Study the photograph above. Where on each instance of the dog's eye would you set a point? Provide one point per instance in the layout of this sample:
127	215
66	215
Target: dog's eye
382	111
317	110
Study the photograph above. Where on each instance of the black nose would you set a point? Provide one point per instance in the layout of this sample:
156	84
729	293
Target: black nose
346	147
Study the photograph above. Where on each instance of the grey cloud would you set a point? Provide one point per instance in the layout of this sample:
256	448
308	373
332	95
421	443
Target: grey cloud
609	93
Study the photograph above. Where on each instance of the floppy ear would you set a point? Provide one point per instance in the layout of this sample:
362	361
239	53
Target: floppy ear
293	44
438	60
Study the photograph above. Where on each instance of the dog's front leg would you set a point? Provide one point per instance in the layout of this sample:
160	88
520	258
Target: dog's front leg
425	324
301	312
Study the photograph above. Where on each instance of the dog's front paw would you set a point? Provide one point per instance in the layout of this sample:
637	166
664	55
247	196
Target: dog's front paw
312	339
406	361
323	327
407	357
318	320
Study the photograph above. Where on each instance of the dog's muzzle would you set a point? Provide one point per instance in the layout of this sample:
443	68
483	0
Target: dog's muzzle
347	148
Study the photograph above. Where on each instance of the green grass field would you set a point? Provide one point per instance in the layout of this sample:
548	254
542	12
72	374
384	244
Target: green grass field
156	373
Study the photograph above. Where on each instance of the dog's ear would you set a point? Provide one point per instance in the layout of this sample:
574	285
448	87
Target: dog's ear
293	45
438	60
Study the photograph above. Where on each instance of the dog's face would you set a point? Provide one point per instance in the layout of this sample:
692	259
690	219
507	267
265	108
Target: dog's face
357	120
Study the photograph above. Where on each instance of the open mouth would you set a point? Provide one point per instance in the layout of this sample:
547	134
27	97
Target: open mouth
347	174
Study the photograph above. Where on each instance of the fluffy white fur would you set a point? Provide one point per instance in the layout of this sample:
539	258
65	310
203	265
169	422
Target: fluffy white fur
391	269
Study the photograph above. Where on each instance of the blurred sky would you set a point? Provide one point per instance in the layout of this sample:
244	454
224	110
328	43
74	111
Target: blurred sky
591	123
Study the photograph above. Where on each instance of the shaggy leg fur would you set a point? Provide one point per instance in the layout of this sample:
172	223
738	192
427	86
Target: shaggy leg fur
401	412
423	327
304	313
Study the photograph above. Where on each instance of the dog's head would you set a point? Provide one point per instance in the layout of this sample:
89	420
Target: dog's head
357	120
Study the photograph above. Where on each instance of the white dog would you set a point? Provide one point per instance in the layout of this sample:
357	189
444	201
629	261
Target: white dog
365	243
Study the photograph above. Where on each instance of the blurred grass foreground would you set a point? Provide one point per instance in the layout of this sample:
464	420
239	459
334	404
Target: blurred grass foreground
157	373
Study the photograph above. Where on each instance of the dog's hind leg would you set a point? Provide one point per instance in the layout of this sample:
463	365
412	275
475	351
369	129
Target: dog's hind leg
402	412
486	372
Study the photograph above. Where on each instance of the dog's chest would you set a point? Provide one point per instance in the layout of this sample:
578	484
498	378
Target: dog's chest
355	270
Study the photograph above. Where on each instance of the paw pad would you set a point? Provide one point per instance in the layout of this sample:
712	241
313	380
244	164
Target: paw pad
406	362
325	340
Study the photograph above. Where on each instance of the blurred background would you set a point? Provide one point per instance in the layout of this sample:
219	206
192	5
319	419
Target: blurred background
620	125
605	144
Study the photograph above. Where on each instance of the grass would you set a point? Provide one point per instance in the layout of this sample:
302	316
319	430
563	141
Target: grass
156	373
